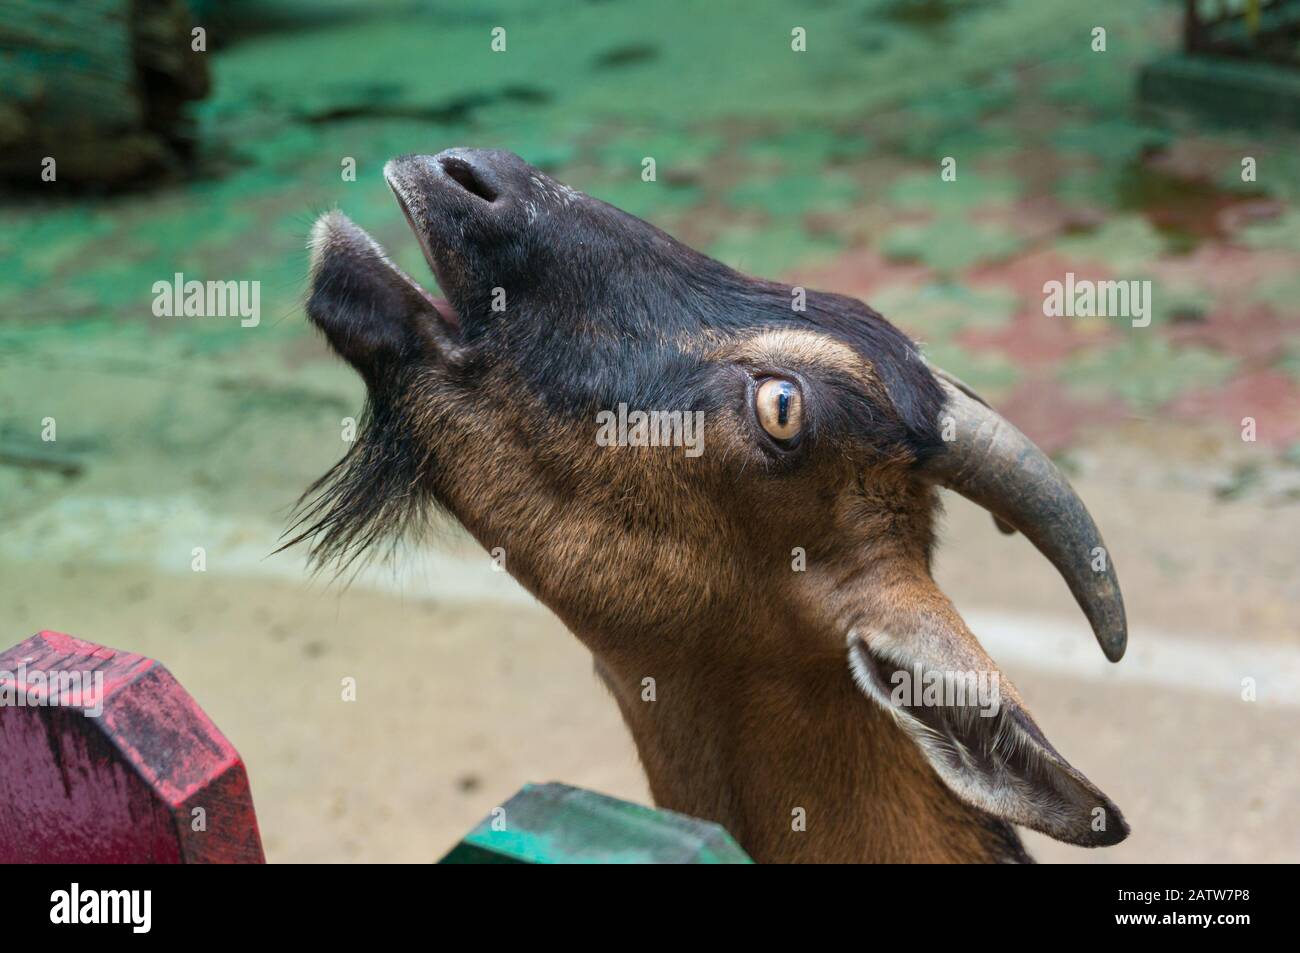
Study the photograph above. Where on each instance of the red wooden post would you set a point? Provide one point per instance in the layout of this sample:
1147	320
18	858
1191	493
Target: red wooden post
105	758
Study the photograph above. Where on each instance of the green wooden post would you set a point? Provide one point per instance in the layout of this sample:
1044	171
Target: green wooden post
558	824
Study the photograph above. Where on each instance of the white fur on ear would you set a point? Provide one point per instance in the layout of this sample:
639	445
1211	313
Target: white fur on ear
992	756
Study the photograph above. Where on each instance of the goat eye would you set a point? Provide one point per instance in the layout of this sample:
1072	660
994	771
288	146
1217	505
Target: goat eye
779	406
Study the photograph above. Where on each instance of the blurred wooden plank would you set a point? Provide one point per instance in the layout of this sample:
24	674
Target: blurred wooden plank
98	85
1235	91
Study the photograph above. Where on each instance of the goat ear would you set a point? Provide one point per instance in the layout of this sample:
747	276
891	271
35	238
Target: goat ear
948	695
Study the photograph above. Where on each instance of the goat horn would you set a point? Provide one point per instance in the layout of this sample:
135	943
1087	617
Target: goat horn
993	464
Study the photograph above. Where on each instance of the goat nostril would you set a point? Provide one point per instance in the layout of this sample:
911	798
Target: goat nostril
467	177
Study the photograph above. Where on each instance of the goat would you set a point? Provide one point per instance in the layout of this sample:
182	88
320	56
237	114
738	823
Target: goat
775	586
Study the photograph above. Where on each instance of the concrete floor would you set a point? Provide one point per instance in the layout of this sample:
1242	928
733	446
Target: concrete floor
467	688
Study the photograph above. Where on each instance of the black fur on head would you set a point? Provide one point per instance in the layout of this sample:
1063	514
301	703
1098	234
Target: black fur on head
574	306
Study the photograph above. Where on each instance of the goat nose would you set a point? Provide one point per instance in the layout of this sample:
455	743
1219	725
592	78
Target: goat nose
480	172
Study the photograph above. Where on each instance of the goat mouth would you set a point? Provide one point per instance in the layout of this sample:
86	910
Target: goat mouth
444	307
359	294
441	306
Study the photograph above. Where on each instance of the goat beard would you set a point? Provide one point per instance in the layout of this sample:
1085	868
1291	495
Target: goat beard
369	502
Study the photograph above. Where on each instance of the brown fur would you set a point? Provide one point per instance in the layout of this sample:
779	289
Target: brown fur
658	563
731	668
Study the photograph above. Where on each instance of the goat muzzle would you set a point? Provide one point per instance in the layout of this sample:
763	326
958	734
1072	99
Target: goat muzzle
993	464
